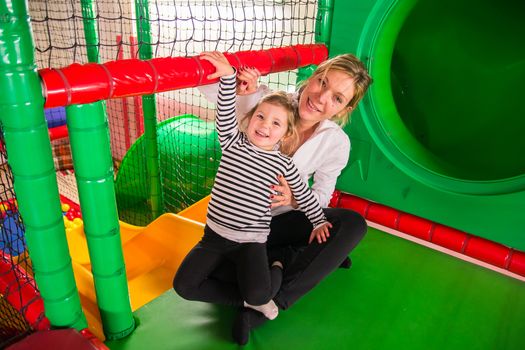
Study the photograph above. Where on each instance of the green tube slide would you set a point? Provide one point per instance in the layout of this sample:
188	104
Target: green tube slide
452	118
439	134
189	154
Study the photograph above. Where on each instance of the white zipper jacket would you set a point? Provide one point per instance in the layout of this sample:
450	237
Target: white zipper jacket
324	155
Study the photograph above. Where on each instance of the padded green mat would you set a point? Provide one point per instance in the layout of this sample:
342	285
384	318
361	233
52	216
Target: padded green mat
397	295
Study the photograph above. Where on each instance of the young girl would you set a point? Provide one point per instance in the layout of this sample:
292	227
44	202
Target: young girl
239	212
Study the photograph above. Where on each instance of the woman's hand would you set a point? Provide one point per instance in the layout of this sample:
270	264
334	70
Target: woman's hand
219	61
321	233
284	195
247	80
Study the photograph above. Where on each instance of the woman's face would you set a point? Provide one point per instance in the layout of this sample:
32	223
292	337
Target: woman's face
326	95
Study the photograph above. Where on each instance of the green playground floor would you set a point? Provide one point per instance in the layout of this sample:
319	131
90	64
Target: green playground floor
397	295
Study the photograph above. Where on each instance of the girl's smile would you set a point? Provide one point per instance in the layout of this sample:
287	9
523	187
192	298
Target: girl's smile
267	126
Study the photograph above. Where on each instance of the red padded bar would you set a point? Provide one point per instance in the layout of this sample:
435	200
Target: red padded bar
92	82
449	238
487	251
475	247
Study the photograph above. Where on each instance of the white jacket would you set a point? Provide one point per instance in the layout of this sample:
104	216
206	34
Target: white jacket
323	156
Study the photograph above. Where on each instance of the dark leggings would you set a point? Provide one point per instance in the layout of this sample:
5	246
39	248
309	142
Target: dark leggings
310	263
255	282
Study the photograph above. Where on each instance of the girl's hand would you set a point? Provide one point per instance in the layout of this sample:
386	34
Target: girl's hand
219	61
247	80
284	195
321	233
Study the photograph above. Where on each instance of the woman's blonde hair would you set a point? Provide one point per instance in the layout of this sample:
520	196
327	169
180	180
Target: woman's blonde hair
354	68
288	102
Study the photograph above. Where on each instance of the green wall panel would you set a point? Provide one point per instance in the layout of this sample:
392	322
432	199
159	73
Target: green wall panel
439	133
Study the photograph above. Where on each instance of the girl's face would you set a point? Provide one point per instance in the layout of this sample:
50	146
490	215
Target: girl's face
267	126
325	96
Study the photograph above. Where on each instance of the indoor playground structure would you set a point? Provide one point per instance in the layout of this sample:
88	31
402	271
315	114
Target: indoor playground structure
108	153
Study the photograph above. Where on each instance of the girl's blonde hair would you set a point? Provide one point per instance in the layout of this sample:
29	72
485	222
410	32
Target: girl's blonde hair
354	68
288	102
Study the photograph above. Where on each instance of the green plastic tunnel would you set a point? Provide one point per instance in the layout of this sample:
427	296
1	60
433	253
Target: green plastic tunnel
446	105
189	156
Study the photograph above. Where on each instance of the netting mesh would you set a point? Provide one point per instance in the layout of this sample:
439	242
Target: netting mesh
187	141
13	256
167	28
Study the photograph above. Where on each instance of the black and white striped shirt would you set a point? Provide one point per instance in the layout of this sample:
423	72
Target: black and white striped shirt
239	209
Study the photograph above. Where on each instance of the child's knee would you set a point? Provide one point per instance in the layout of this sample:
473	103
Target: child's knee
183	287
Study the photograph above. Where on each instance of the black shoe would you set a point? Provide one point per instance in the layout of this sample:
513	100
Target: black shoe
347	262
285	255
244	322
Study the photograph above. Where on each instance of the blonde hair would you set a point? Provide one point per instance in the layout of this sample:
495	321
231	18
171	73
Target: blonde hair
289	104
355	69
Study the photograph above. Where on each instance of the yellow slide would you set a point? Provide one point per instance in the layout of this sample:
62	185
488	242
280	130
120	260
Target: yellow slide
152	255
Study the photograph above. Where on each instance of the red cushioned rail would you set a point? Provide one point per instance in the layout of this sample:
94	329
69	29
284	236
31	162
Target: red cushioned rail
478	248
78	84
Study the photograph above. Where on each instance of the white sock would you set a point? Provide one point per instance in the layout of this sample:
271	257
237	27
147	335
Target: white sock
278	264
270	310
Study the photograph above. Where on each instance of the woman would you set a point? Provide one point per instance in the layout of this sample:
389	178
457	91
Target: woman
325	102
239	212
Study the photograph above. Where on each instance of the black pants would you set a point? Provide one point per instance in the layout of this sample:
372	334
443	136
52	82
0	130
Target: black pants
254	281
312	262
305	265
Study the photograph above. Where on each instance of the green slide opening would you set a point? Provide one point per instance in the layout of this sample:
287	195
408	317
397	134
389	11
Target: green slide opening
446	106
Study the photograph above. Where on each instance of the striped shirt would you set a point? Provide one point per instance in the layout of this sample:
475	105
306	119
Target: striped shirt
239	209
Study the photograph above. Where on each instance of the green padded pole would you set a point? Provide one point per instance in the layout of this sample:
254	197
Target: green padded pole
89	137
150	113
90	30
323	23
31	161
90	146
323	27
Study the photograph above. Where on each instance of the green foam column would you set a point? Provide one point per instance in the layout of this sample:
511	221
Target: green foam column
89	137
31	161
323	23
323	27
150	113
90	30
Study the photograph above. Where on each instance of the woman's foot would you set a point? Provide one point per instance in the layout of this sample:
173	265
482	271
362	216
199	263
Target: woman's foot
347	262
270	309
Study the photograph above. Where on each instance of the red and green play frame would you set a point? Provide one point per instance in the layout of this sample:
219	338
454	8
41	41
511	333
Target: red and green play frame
440	157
